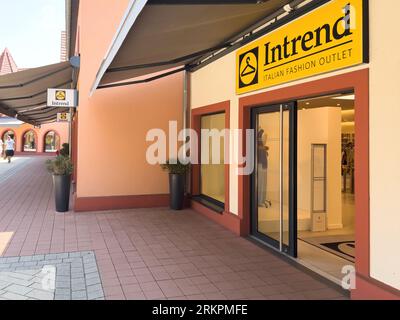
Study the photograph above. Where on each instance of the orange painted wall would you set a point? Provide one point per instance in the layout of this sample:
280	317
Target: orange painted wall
113	123
60	128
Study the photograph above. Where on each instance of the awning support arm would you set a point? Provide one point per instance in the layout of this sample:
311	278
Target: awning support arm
120	84
31	105
42	111
34	95
173	61
46	118
33	109
265	25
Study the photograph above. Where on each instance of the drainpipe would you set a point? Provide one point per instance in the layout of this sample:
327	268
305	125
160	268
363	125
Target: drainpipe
75	62
186	117
73	86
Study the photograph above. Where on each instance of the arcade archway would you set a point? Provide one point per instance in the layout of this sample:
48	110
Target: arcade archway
7	133
29	141
51	141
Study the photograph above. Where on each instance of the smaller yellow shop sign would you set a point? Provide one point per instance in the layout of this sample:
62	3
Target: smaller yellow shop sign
63	117
332	37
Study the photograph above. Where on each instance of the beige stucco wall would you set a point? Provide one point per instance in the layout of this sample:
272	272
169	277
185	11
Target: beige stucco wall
216	82
384	141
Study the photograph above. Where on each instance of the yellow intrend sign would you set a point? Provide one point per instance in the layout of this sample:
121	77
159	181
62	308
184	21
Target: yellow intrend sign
332	37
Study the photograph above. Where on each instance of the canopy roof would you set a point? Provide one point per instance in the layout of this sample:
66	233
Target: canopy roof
24	94
7	122
157	35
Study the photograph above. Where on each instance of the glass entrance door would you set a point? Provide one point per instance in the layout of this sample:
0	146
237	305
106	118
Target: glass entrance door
273	180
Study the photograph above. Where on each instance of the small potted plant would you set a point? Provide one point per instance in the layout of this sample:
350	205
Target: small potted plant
177	171
61	167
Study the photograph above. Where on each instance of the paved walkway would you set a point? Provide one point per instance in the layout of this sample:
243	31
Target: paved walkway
142	253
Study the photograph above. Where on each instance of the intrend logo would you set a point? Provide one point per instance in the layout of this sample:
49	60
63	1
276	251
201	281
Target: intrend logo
321	36
331	37
248	68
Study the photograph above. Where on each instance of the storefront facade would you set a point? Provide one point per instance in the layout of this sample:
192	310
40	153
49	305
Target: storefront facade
111	171
376	238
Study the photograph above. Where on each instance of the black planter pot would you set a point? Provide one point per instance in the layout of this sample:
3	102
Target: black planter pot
62	185
176	191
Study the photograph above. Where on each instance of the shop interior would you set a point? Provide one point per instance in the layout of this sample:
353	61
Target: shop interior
325	196
325	181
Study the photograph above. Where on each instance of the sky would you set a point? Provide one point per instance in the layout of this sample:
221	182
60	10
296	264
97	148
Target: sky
31	30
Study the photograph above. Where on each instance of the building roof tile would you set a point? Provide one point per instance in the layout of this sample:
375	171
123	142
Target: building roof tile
7	63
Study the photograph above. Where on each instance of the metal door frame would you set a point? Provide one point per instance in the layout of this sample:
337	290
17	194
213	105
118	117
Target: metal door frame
290	250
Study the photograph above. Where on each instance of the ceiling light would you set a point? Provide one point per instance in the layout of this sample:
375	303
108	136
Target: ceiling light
347	97
349	123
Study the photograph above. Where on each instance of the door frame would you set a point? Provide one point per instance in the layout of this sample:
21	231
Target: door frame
358	81
290	249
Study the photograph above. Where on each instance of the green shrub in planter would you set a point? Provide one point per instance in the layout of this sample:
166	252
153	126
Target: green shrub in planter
176	182
175	168
61	167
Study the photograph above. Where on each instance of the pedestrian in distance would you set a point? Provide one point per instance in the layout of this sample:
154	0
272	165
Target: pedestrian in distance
2	151
10	144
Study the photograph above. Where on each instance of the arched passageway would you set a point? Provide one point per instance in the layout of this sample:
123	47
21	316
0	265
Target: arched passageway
7	133
29	141
51	142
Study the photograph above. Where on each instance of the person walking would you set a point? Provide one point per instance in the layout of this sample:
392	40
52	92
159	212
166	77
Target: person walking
2	152
10	144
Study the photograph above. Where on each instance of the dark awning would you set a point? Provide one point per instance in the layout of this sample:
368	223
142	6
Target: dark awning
24	94
158	35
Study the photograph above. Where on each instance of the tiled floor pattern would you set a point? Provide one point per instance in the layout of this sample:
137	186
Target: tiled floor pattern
148	253
7	170
62	276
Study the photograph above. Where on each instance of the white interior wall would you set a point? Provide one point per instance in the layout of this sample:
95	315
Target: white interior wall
384	142
320	126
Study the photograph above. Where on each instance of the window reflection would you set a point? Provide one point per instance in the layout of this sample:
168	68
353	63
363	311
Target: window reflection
212	181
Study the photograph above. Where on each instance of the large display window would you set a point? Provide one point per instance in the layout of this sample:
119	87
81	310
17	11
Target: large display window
212	168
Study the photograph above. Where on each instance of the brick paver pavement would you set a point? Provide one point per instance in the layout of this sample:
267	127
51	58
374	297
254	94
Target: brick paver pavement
59	276
148	253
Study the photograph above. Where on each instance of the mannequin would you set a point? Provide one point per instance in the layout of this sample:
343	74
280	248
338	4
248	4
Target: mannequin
262	168
348	166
